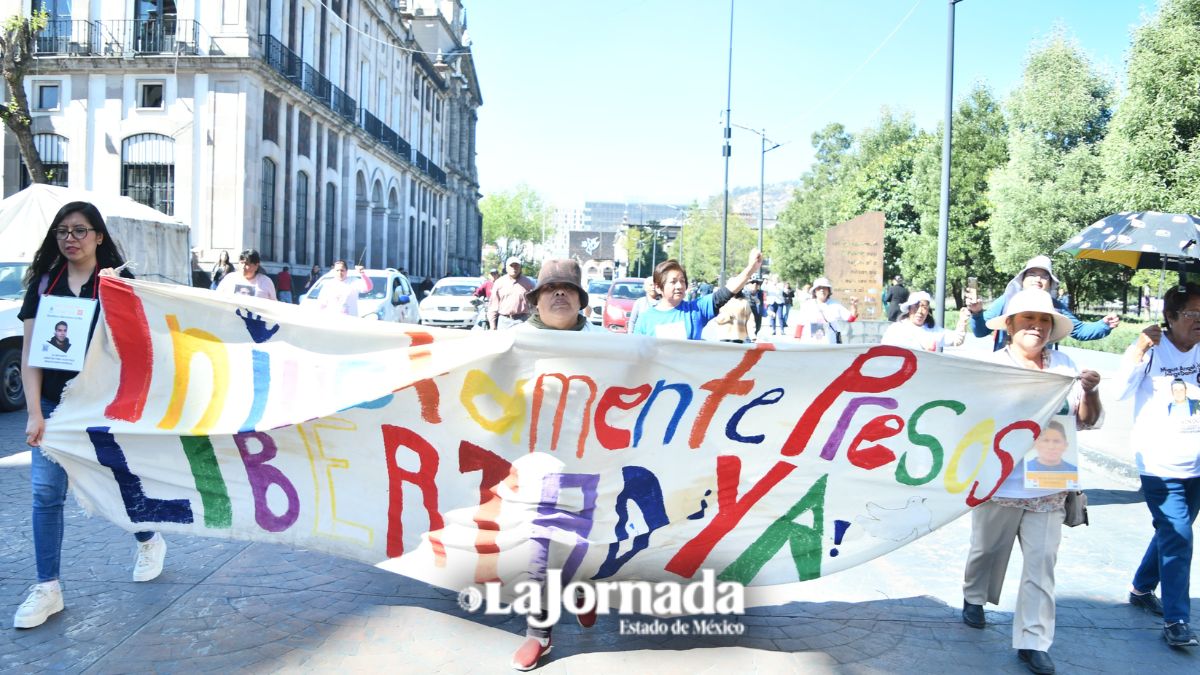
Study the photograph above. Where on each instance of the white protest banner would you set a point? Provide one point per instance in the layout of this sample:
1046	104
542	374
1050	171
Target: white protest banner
462	457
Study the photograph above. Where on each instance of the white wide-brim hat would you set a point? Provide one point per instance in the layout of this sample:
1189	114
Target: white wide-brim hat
915	298
821	282
1033	300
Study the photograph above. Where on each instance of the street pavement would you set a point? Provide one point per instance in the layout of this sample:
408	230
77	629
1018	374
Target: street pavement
239	607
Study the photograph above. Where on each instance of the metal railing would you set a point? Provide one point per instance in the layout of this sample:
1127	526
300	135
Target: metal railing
71	37
292	66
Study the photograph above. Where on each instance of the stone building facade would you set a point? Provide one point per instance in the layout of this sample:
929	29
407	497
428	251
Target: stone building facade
310	130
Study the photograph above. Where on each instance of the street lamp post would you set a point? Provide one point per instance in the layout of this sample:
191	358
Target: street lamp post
944	209
726	151
762	174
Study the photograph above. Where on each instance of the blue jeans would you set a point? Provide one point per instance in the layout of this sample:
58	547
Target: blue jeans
49	494
1173	503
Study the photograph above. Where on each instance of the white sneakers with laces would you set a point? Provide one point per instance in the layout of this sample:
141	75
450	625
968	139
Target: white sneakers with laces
44	599
150	556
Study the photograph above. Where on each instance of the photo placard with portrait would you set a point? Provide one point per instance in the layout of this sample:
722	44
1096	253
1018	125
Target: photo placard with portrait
1053	464
60	332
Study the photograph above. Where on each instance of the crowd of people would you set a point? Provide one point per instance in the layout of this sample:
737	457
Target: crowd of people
1160	373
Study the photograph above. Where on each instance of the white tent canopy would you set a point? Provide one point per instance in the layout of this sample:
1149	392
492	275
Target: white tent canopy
155	242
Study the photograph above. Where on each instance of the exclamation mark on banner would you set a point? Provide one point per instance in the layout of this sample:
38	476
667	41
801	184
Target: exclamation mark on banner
839	531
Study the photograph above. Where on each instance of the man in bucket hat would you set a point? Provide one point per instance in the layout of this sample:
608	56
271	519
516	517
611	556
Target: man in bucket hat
508	307
557	299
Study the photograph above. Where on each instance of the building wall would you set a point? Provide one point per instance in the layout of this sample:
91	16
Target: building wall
398	159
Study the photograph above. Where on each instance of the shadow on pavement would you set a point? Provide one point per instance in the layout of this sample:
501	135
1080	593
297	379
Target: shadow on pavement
1107	497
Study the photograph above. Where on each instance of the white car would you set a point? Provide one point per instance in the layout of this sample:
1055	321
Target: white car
390	298
597	290
452	303
12	334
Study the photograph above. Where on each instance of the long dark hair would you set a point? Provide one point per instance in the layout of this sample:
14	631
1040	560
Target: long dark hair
48	257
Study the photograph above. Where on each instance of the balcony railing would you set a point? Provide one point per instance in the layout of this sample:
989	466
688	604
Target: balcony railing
291	66
436	173
119	38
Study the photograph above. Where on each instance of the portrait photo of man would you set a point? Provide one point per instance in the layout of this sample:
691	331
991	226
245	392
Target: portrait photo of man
60	341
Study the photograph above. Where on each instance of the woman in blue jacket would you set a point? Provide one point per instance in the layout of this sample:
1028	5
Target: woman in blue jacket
1036	274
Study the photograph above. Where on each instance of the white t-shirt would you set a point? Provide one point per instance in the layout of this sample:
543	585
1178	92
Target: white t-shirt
905	333
823	322
1166	435
1013	487
341	297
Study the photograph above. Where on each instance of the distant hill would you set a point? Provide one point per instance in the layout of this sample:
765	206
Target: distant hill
776	197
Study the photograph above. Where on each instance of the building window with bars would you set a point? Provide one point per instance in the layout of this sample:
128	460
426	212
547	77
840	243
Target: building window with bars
52	149
148	171
330	221
266	223
301	218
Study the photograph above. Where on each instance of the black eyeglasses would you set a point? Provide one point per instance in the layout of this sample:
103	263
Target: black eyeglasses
74	232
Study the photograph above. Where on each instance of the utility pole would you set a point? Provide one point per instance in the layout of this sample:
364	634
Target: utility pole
726	150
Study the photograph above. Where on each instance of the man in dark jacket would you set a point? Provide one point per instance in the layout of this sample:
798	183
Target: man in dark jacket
894	296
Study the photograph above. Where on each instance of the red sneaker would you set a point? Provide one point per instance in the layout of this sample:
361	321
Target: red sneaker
585	619
529	653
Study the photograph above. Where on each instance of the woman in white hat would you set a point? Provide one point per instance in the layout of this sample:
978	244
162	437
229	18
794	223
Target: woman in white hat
914	328
1033	516
823	320
1035	274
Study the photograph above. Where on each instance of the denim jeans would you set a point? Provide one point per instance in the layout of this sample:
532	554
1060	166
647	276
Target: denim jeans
49	494
1173	503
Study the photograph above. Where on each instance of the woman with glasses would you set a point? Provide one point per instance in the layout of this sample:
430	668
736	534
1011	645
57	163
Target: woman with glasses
1162	375
77	251
251	281
1035	274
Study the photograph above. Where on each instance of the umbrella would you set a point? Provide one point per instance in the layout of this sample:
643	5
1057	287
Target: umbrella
1141	240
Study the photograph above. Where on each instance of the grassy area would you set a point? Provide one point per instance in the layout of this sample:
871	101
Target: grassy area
1116	342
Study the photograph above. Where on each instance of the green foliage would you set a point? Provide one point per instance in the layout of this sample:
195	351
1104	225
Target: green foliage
1152	155
852	175
1117	341
980	146
1047	192
701	240
645	249
514	218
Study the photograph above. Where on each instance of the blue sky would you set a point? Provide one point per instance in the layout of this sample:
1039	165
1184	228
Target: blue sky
623	99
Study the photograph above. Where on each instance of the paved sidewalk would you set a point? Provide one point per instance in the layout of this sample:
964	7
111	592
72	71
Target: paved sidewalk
233	606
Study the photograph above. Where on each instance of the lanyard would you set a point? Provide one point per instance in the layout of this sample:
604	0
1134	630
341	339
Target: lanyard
95	286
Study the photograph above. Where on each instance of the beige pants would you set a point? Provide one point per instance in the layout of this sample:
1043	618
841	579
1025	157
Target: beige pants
993	530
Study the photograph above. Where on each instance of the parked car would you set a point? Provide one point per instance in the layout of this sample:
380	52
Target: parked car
451	303
12	334
391	297
597	289
619	302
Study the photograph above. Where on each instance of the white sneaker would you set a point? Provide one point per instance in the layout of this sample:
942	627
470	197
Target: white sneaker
44	599
150	556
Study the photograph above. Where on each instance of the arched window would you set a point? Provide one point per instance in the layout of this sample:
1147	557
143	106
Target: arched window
266	226
412	244
52	148
148	171
302	218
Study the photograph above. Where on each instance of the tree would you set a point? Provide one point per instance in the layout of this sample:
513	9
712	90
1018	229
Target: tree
701	239
645	248
1049	189
1152	154
16	56
879	177
798	250
514	219
979	147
